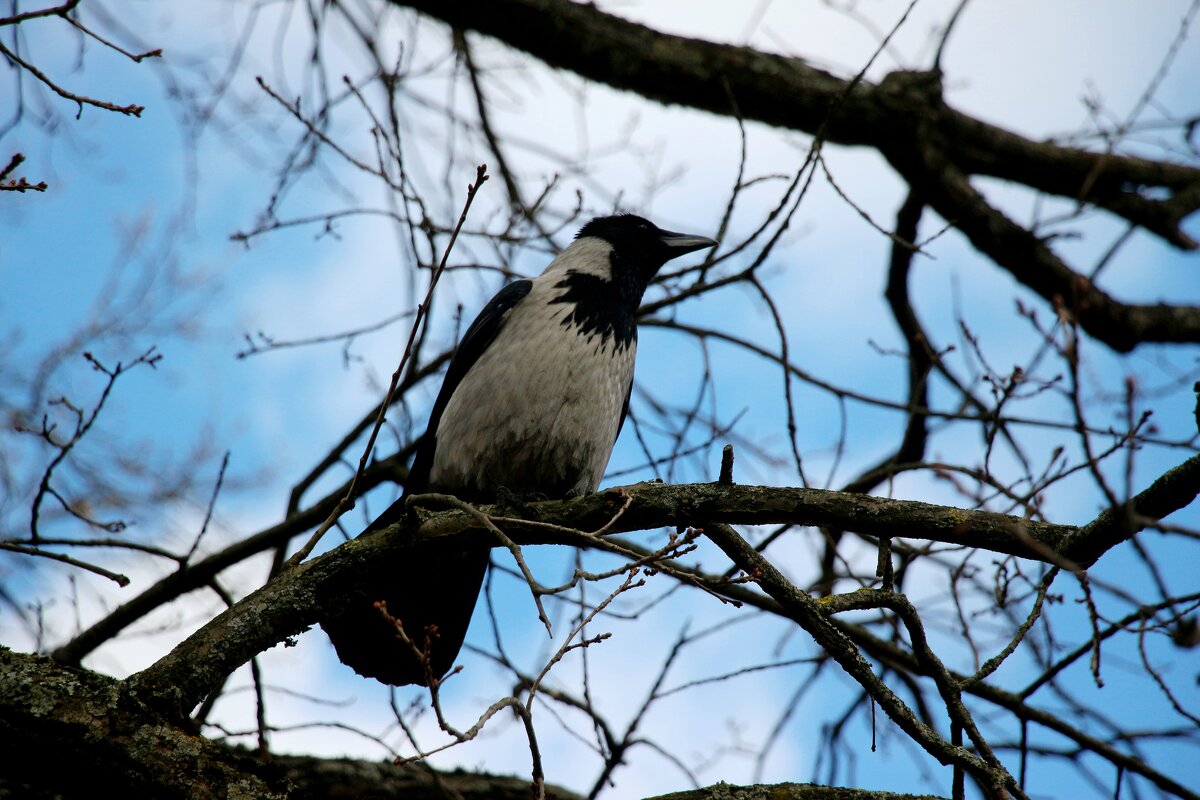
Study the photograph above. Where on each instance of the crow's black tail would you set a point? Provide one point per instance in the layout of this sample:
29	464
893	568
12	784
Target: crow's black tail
433	596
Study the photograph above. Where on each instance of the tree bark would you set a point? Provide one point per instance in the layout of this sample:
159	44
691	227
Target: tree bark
288	605
73	733
788	791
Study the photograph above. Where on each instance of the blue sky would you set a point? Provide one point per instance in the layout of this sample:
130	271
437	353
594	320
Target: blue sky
1025	65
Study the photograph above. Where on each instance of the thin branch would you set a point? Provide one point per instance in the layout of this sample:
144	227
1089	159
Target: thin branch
18	184
13	547
52	11
80	100
347	501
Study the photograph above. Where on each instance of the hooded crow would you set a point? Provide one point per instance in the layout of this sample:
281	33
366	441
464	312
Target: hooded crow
531	405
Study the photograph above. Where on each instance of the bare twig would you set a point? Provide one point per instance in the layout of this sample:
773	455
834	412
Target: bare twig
80	100
27	550
18	184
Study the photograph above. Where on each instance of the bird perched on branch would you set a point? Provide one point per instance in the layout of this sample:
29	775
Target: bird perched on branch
531	405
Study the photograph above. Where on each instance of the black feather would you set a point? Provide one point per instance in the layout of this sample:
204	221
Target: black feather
597	308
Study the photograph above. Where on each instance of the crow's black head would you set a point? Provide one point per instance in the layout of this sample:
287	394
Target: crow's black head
607	304
640	245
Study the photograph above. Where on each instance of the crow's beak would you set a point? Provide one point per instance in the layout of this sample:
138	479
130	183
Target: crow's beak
678	244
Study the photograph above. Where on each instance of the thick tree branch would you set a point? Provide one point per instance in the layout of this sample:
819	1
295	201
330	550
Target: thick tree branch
788	791
289	604
923	151
933	145
656	505
681	71
1172	491
72	733
331	778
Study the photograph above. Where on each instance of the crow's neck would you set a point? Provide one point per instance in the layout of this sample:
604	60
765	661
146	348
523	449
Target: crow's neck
602	306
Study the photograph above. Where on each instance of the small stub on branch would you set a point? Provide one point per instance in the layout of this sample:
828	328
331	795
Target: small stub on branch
726	476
